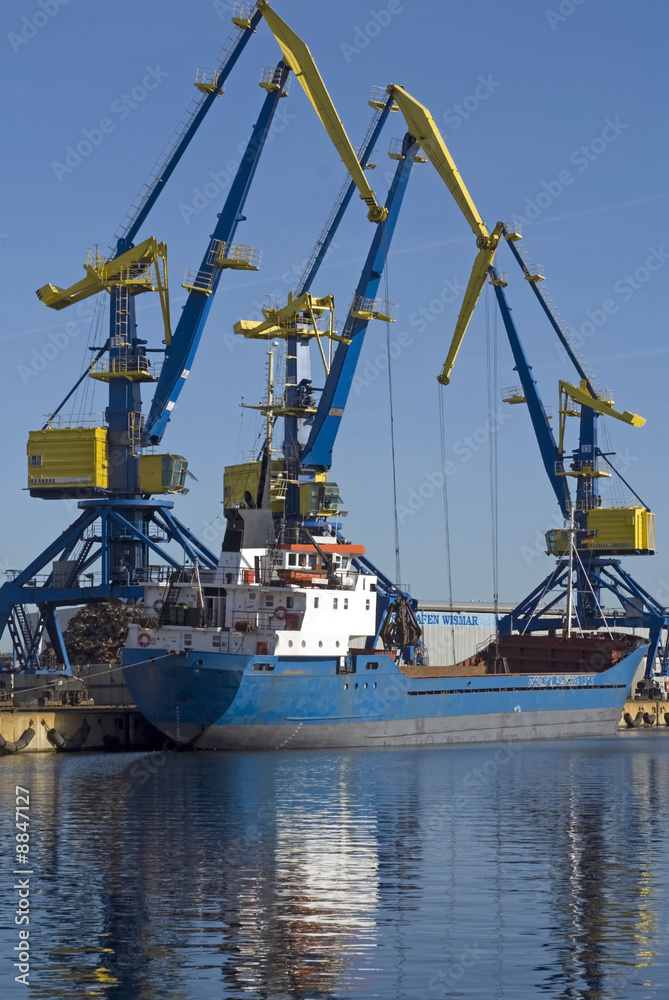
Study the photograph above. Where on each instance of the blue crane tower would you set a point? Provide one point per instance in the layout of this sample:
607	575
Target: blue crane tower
124	523
310	430
596	534
111	469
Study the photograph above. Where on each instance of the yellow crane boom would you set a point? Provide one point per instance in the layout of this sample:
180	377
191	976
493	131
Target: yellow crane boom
423	128
580	394
141	269
299	59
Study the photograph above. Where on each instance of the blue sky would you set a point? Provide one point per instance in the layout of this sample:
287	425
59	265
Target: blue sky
552	111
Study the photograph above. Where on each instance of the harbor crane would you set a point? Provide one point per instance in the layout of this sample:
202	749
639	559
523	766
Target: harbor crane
121	484
596	533
110	468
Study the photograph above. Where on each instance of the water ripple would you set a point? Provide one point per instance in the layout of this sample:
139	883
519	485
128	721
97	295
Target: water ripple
485	872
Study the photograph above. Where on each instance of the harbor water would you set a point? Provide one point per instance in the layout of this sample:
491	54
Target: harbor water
521	871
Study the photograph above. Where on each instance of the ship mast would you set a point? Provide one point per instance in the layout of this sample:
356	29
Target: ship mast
264	486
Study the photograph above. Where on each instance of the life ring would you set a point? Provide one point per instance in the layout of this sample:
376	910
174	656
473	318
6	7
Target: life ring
279	613
143	639
158	604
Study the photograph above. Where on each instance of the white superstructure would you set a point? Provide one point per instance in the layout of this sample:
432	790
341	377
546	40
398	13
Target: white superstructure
305	599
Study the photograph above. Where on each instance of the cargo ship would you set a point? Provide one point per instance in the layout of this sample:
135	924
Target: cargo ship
293	638
294	642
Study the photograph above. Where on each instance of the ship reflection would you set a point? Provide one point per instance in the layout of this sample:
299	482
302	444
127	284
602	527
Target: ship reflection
319	875
598	842
312	926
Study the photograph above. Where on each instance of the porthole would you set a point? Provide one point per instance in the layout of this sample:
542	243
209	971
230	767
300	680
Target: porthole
290	642
303	643
345	687
356	685
337	643
320	642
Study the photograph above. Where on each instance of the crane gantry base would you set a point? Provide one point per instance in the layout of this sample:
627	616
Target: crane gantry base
542	610
120	534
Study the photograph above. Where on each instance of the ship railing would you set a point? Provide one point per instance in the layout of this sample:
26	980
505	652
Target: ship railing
152	574
266	619
485	642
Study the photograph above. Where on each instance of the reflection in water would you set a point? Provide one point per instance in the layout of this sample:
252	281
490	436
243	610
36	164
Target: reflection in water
398	873
316	921
600	836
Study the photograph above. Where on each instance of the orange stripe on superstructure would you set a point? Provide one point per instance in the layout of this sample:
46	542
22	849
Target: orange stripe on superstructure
354	550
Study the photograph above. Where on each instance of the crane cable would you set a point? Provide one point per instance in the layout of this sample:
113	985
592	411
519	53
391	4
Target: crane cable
493	465
447	529
398	562
594	595
96	334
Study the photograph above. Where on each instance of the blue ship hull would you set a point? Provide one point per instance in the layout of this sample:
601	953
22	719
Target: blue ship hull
212	700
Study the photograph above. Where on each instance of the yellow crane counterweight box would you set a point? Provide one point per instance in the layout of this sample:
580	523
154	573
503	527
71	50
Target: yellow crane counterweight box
64	459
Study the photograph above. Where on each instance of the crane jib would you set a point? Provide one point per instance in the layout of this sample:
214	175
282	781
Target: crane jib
318	450
186	338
